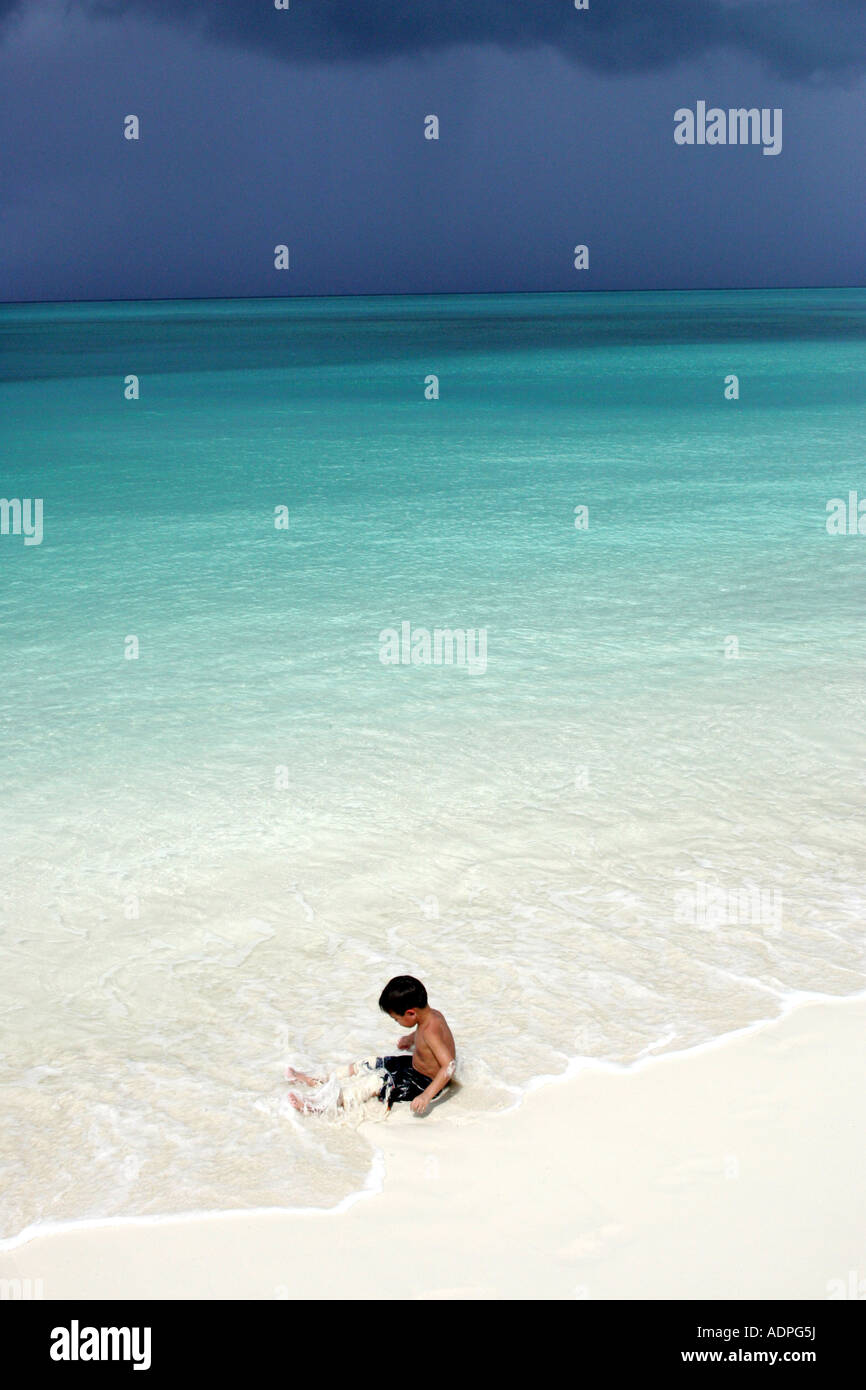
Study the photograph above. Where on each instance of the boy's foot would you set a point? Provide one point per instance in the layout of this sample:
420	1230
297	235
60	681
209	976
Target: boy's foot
298	1104
292	1075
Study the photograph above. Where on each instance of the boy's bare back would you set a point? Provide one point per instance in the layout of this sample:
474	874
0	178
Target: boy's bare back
432	1038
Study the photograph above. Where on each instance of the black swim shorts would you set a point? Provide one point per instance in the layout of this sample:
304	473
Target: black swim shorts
403	1081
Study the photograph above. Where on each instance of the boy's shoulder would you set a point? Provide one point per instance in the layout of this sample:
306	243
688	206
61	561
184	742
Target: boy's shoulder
437	1022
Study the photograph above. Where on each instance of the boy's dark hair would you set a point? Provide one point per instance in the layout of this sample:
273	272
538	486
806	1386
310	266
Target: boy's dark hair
402	993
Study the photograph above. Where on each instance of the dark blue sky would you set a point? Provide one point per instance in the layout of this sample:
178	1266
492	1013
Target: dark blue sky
306	127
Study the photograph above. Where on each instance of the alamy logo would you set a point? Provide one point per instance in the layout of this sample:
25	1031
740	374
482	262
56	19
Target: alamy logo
75	1343
710	905
22	516
736	126
445	646
853	1287
21	1289
846	519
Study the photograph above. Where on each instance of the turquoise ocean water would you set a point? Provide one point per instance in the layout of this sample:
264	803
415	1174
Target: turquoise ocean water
214	855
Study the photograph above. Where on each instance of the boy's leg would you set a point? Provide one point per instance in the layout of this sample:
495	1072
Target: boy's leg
307	1107
327	1086
292	1075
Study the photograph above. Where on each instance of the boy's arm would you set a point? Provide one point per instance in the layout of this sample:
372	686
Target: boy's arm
406	1042
445	1056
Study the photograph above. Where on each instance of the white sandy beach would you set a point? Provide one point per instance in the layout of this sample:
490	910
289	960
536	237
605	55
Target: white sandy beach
731	1171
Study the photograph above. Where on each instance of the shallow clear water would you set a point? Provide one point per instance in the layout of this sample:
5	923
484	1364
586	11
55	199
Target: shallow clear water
215	855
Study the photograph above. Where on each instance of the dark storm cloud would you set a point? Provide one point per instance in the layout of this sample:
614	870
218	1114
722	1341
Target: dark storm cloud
795	39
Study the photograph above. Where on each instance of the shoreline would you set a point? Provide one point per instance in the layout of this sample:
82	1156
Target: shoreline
375	1180
165	1256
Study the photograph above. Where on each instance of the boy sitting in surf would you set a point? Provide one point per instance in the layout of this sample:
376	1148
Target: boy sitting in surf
418	1078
